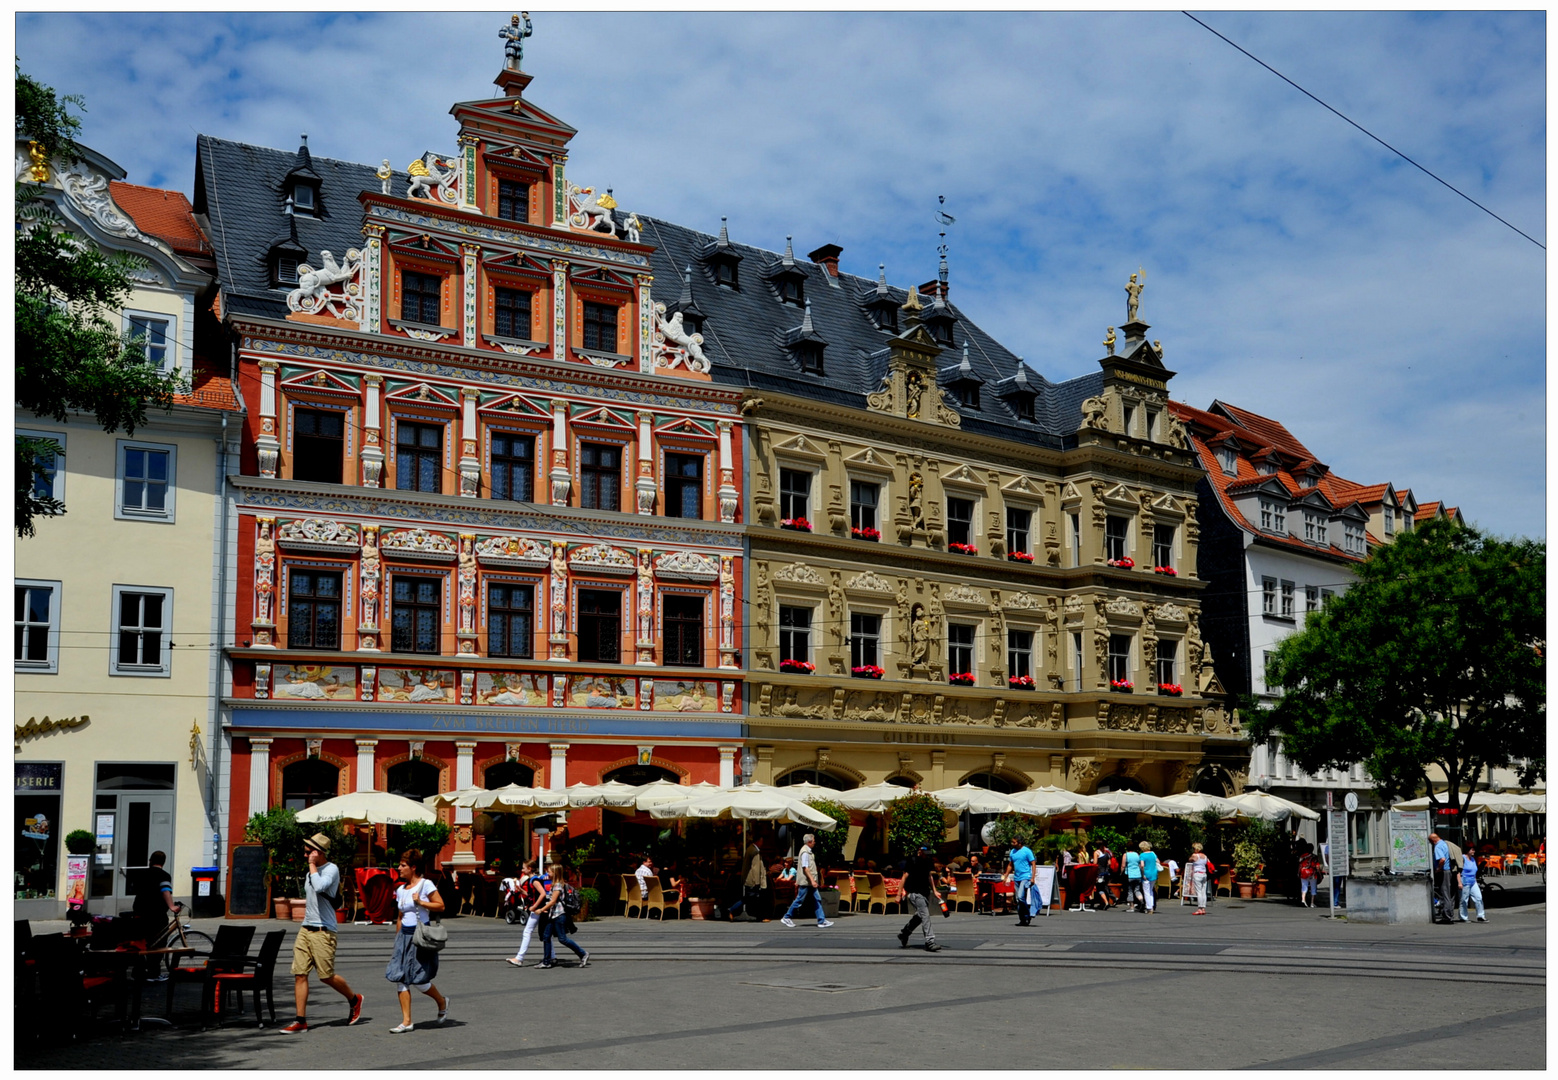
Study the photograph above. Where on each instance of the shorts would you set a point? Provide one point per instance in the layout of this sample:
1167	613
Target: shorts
314	949
1306	885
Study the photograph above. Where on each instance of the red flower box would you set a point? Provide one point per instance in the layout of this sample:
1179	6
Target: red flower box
1021	682
1169	570
1019	556
1124	686
797	667
867	671
866	534
1170	689
1126	563
798	524
961	678
964	549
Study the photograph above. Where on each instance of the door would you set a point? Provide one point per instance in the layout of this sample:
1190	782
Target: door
144	825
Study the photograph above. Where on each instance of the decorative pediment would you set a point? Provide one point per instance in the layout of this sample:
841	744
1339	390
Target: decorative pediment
513	551
1070	494
686	566
966	596
963	476
602	559
1023	488
869	459
421	244
618	418
319	534
687	427
1123	606
1022	602
419	544
802	447
1167	504
799	574
515	405
868	582
1120	495
521	261
1171	613
421	394
320	382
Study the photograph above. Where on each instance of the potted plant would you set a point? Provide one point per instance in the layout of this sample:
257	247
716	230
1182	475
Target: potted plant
1019	556
1022	682
1169	570
963	549
1121	686
80	842
1126	563
799	524
866	671
589	899
1170	689
961	678
797	667
1246	863
866	533
278	832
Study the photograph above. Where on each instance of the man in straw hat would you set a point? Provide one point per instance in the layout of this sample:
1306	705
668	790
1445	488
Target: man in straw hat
315	945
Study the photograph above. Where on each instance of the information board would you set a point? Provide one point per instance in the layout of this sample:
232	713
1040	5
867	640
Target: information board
1044	881
248	893
1337	832
1409	850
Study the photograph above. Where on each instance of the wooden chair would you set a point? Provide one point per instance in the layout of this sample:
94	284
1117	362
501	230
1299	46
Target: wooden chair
1224	883
258	979
1164	882
879	897
68	997
666	901
228	952
965	895
862	897
627	896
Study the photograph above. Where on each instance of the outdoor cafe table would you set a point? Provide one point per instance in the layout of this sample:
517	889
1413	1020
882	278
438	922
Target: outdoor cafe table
122	960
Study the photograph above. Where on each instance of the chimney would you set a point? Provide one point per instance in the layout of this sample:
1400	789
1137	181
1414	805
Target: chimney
935	288
827	256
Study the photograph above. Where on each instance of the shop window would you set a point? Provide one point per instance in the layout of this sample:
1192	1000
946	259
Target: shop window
513	467
313	610
682	618
318	445
419	456
421	298
960	521
513	200
511	313
960	648
142	619
35	860
310	781
415	614
600	326
991	782
600	476
684	485
819	777
600	625
865	640
511	621
794	633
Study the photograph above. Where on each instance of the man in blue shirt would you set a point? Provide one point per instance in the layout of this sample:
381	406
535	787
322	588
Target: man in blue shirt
1442	879
1149	877
1019	865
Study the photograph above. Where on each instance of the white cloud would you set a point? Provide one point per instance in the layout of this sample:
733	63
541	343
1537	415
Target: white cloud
1294	266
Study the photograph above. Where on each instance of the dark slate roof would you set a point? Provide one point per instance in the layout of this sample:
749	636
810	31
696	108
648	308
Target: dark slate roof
240	190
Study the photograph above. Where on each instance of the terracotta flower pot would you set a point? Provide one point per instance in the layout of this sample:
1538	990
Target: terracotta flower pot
283	907
299	906
702	909
1246	890
1260	888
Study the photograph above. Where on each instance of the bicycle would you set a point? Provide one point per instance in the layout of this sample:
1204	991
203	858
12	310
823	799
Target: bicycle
178	932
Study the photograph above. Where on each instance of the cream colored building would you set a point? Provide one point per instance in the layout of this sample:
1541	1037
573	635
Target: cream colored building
116	599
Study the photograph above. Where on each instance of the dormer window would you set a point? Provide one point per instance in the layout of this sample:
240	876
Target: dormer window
1390	522
809	355
787	277
286	269
1230	460
691	323
724	261
792	290
303	198
886	317
1022	405
1307	480
967	394
1268	468
727	275
1273	516
301	186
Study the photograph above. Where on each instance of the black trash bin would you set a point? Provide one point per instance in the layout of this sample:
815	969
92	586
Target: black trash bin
206	900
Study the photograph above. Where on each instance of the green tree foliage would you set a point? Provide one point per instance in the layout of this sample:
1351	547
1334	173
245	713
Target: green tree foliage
1014	830
1434	658
428	837
830	844
70	355
914	820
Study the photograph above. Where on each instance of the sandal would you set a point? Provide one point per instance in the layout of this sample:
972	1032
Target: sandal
516	963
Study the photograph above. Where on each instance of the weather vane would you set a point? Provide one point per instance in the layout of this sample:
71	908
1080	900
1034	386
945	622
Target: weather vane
943	219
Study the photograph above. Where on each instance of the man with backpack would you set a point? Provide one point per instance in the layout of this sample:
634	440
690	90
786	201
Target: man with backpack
315	945
557	909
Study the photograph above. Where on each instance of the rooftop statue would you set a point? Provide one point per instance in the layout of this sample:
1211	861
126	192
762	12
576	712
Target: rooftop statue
514	40
1133	294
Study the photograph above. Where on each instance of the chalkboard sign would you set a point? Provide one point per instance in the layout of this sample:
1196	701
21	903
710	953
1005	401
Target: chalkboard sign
248	893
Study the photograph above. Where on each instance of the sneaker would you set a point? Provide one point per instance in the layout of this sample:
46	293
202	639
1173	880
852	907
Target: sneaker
932	947
401	1029
788	922
443	1014
1481	919
824	922
297	1027
516	963
161	976
546	964
584	961
356	1011
903	941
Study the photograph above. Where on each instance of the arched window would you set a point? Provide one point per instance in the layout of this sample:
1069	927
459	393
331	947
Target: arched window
1212	781
413	779
815	776
506	773
992	782
310	781
641	774
1120	783
901	781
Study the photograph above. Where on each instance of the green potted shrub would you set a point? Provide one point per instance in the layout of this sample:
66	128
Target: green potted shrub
278	832
1246	863
80	842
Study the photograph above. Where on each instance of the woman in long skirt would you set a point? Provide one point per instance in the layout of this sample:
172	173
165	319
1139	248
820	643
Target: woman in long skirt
411	968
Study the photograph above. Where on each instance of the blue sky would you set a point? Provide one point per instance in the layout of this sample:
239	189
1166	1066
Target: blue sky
1294	267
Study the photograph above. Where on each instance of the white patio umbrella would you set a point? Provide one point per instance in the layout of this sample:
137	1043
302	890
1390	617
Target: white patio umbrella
1189	803
747	803
872	799
1049	803
1267	807
369	808
661	792
464	797
1130	802
978	800
516	798
1486	802
612	793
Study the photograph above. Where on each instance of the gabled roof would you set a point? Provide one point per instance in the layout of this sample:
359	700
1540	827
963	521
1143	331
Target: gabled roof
166	215
1265	429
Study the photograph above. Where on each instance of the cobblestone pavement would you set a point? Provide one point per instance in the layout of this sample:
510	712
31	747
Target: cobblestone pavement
1253	984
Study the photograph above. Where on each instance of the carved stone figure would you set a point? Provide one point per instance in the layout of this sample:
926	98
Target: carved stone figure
587	210
1083	773
836	609
385	175
674	346
919	636
313	293
467	579
1133	295
1094	411
916	500
914	389
1109	340
632	227
430	179
514	40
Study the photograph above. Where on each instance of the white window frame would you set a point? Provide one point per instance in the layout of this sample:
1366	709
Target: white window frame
1013	652
167	515
1311	598
50	665
1355	537
1076	539
164	669
1230	460
972	646
1027	547
1268	596
170	358
58	478
1289	600
880	637
973	516
1171	646
1390	521
781	629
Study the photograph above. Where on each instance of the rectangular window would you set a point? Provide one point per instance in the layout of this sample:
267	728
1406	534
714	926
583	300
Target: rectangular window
1390	522
154	337
145	481
600	625
960	521
1230	460
1128	415
1167	654
1320	531
1311	599
683	616
50	455
415	609
511	621
684	485
1361	830
600	327
419	457
960	649
1326	596
600	476
862	504
1163	545
1019	653
1272	686
1076	660
865	640
1287	600
1279	514
1076	539
1119	658
794	633
37	626
794	493
1116	534
1353	537
420	298
513	200
1018	523
1152	424
318	445
142	618
1268	596
1266	514
313	610
511	313
513	467
726	274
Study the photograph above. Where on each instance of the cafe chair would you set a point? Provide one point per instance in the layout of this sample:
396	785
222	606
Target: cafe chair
627	896
228	953
1224	884
667	902
69	998
965	894
258	978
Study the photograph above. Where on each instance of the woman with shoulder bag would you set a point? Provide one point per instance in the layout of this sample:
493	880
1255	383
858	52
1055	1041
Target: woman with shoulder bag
554	922
414	966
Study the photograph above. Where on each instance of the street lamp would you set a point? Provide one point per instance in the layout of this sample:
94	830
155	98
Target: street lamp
748	766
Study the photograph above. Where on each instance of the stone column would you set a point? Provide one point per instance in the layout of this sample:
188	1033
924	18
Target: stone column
938	769
464	773
645	484
365	777
560	335
372	440
259	776
727	766
468	262
560	476
371	574
557	773
728	496
646	324
764	773
267	444
470	463
468	193
371	277
557	636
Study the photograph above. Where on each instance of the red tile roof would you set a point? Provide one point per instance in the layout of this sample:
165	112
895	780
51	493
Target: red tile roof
1367	495
1265	429
210	389
166	215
